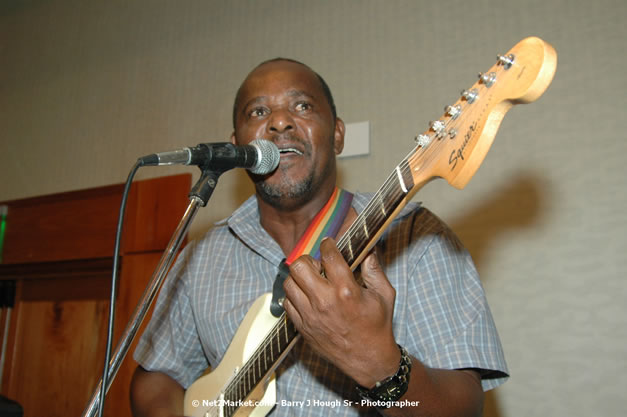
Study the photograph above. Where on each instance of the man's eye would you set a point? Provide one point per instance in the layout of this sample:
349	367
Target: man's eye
303	107
257	112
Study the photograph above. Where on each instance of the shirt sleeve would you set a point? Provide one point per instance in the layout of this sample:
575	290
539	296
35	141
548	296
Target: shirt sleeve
170	343
449	322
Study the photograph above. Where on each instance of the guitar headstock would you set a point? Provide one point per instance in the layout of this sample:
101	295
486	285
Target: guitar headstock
455	145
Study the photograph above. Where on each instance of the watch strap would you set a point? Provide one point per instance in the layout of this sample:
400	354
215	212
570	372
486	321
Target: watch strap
392	388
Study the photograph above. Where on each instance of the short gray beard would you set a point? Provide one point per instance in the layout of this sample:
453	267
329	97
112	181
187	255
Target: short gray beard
287	195
290	195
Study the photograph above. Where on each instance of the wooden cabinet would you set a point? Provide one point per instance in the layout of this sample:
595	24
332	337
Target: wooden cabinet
58	250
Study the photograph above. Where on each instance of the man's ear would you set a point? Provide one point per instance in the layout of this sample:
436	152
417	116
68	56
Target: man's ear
338	138
233	138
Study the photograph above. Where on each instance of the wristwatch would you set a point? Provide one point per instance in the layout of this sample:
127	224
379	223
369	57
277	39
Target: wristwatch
392	388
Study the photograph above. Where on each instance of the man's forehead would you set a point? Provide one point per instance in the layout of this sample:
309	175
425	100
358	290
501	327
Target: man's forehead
292	76
281	77
283	65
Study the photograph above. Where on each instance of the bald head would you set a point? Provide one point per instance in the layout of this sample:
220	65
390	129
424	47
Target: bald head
323	85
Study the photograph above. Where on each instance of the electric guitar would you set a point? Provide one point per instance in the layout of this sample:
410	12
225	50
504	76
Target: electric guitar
452	148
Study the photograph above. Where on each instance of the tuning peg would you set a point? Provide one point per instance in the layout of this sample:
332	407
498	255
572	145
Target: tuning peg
423	140
488	79
506	60
453	111
438	127
470	95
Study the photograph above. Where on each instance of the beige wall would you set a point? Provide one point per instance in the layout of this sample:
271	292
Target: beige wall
88	86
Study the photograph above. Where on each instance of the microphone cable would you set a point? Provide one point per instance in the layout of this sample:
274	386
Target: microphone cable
114	284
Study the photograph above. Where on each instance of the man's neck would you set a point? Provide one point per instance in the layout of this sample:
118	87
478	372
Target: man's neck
287	226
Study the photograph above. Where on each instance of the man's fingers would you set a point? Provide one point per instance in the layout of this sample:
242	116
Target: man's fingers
293	314
335	267
374	277
305	271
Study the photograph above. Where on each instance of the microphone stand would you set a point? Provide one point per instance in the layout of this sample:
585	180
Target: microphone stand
199	196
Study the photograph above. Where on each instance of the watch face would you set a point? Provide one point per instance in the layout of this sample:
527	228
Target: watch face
391	390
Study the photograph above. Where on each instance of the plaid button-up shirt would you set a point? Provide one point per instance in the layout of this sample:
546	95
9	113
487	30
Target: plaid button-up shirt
441	315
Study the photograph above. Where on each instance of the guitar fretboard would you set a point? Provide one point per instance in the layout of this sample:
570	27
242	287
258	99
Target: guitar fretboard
260	364
363	230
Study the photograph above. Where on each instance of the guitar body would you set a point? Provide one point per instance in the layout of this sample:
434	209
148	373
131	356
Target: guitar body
203	397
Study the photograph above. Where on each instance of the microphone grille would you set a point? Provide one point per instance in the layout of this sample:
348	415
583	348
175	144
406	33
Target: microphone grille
268	156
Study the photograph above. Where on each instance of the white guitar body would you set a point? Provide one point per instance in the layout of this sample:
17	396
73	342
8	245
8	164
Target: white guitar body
204	396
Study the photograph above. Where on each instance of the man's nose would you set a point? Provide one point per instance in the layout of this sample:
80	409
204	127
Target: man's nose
280	121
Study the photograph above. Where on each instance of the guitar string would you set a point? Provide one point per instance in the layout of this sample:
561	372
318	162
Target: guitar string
390	186
237	381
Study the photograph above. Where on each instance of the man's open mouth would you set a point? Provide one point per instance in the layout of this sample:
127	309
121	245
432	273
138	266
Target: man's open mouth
290	151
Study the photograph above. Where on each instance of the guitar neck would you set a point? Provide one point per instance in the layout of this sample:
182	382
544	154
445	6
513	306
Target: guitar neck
262	363
382	208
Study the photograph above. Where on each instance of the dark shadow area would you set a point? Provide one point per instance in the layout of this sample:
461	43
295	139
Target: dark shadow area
518	205
515	206
244	187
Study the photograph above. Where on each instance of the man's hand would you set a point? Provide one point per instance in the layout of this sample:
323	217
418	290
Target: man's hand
154	394
346	323
351	326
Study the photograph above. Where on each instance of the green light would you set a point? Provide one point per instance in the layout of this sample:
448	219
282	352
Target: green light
3	225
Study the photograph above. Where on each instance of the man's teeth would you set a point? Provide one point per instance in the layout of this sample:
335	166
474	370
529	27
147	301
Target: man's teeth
288	150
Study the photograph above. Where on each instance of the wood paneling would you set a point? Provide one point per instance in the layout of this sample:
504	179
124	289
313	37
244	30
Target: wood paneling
136	266
58	344
74	225
59	251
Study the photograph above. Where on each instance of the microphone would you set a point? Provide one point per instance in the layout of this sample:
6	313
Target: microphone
259	157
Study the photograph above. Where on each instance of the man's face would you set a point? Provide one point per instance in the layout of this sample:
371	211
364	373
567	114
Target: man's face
283	102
